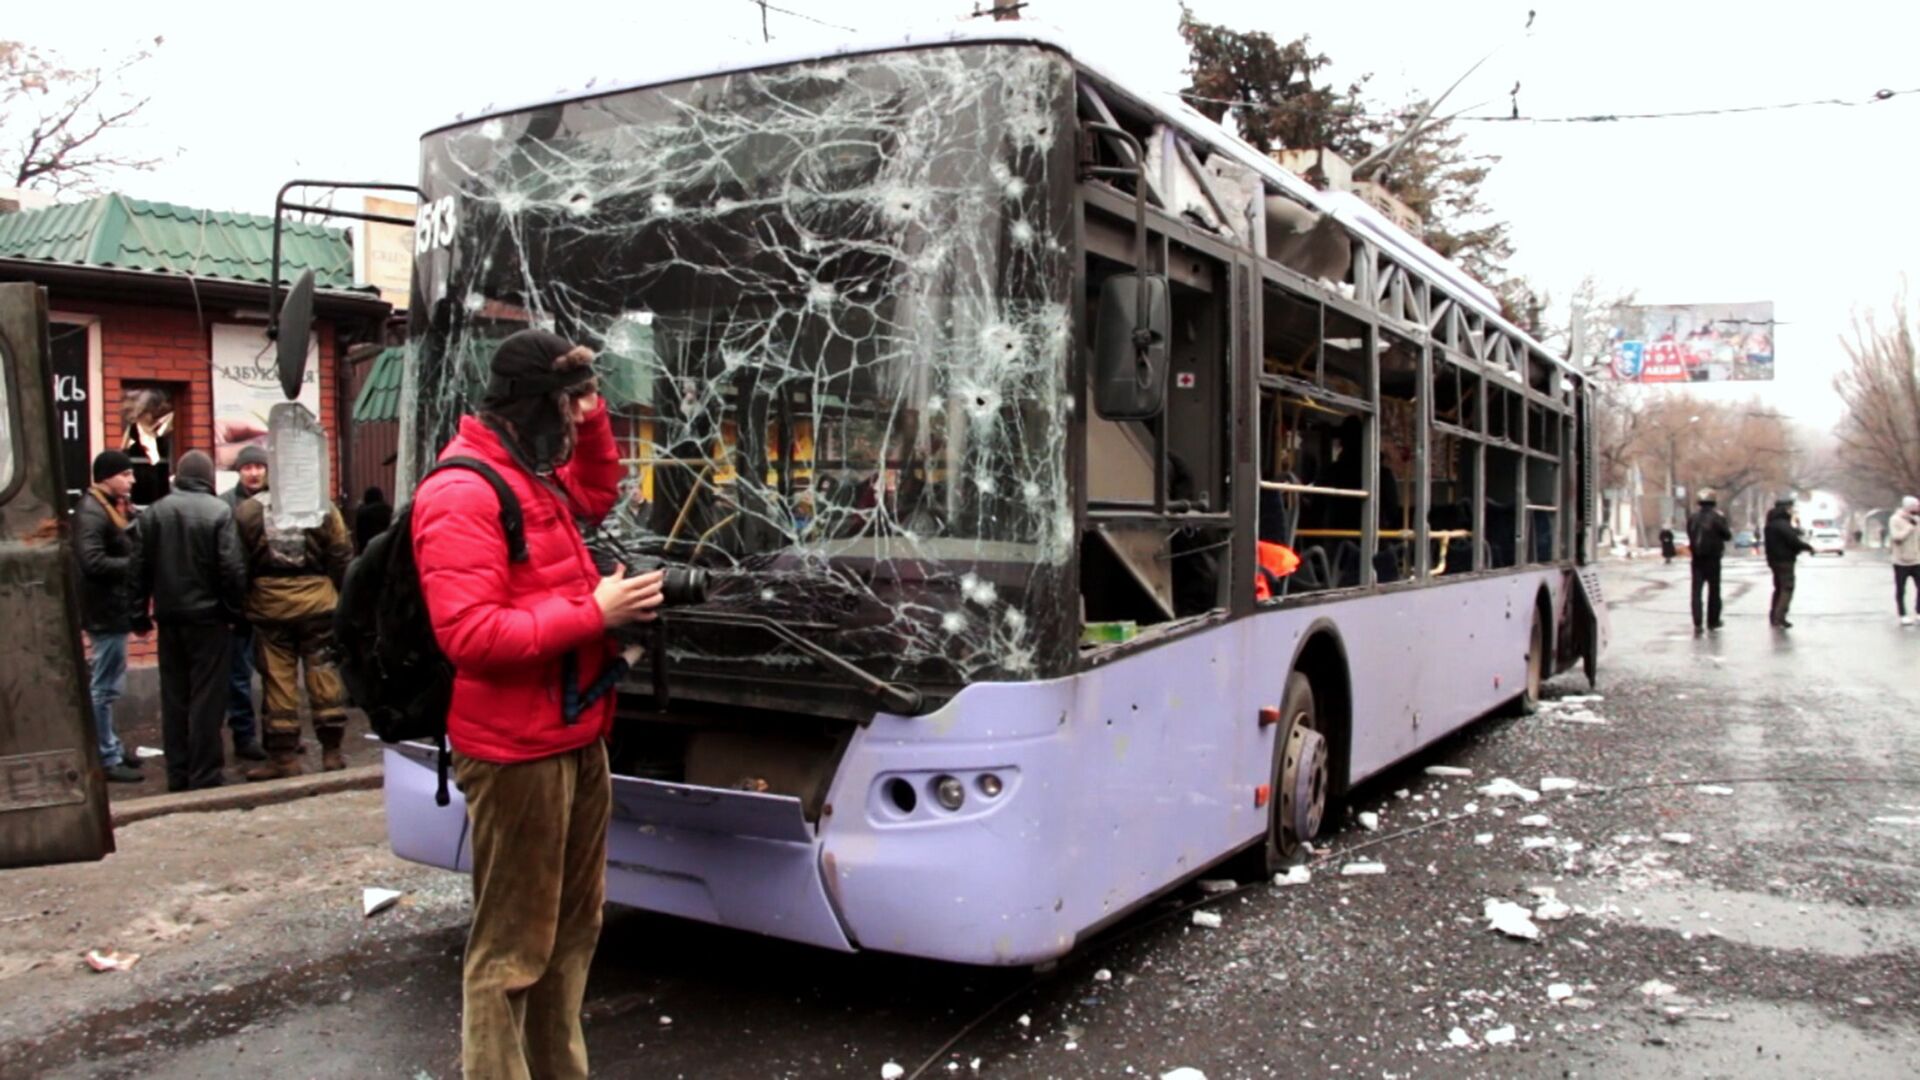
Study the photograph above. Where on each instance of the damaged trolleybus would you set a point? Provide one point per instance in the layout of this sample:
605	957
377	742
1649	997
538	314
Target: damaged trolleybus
977	384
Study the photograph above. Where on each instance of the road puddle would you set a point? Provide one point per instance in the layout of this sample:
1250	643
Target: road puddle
1757	1039
1754	918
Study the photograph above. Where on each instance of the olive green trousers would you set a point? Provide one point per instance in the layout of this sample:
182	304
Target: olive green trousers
539	835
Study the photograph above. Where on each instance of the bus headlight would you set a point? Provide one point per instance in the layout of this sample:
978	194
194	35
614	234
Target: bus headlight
949	792
989	785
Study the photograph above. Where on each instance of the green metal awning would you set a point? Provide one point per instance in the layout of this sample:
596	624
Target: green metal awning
122	233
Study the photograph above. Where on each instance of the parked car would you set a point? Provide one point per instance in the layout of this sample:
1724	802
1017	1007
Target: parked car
1828	542
1745	539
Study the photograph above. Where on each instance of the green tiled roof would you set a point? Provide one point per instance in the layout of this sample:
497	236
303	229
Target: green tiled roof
380	395
118	232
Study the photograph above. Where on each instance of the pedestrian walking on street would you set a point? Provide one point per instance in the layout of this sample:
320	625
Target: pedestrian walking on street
188	561
241	722
371	519
1667	548
1903	534
523	637
1707	536
1784	547
295	577
102	538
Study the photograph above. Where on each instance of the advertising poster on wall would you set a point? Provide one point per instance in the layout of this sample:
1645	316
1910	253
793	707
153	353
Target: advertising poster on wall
1670	343
246	387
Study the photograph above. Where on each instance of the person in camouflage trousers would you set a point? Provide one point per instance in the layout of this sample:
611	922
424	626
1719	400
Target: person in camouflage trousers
296	576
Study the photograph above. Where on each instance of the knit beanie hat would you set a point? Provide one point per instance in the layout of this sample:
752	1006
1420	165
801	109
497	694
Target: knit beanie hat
110	463
195	465
250	454
535	364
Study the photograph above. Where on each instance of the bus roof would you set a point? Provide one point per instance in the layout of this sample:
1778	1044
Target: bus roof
1349	210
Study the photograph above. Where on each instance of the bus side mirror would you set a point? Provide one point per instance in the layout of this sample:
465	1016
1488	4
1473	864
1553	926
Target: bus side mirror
296	323
1130	347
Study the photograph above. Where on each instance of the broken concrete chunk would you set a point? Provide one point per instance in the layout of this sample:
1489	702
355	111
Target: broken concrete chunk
1511	919
1656	988
1363	868
111	960
374	901
1681	838
1103	975
1483	839
1183	1073
1557	783
1713	789
1536	821
1448	770
1551	910
1293	875
1208	919
1504	788
1459	1037
1370	821
892	1070
1559	991
1501	1036
1215	886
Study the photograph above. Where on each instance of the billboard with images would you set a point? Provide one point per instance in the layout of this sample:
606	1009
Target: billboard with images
1669	343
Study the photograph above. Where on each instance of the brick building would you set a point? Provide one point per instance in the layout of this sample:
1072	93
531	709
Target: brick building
153	296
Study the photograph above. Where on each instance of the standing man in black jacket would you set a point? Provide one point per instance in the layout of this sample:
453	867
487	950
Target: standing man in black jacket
1784	547
1708	533
101	524
189	562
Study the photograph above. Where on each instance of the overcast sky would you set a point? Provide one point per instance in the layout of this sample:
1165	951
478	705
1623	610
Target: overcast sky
1810	208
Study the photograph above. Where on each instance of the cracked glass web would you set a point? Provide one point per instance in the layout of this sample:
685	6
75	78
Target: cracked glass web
831	307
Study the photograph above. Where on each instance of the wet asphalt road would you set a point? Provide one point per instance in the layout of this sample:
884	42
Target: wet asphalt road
1779	939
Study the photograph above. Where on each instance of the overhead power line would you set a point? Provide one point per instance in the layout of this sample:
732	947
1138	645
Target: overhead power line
766	7
1589	118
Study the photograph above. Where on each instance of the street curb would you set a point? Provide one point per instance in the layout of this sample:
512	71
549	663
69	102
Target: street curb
247	796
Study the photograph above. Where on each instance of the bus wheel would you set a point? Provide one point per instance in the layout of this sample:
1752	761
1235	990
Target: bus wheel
1300	785
1528	702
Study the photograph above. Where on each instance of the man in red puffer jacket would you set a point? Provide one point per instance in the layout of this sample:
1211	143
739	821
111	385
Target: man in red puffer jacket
536	781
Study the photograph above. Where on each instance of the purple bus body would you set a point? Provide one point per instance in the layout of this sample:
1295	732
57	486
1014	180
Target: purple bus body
1118	783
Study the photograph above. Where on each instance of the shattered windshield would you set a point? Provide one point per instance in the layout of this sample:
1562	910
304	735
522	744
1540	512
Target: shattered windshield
830	305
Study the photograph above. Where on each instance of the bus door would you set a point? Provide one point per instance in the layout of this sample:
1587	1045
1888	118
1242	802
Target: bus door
53	801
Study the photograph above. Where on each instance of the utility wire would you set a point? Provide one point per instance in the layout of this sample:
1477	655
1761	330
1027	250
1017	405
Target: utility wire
1589	118
766	7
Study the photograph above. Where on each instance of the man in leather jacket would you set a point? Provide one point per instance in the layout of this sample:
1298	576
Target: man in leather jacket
188	561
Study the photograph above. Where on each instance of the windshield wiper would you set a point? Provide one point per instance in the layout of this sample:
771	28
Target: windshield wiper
904	700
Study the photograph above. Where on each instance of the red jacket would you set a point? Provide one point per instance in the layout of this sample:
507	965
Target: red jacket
508	627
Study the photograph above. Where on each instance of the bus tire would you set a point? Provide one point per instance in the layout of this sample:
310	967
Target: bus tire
1527	702
1301	782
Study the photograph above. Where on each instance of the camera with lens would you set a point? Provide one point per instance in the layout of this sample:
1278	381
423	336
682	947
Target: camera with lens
683	584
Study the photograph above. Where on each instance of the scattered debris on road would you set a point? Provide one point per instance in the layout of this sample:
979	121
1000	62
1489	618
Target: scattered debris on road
1209	919
374	901
1363	868
892	1070
1680	838
1293	875
1501	1036
1557	783
1448	770
1714	789
1216	886
1370	821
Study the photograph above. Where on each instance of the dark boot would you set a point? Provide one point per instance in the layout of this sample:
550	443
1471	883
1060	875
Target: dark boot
251	750
280	766
331	759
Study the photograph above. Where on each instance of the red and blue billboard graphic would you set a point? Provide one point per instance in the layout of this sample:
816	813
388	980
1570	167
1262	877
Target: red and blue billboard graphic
1670	343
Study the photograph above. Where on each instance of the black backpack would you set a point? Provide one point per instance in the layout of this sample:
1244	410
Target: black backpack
392	665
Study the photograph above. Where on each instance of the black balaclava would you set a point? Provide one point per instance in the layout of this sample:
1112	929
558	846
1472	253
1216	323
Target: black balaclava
529	377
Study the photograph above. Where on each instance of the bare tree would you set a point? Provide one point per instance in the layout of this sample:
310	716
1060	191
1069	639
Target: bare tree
1880	386
57	122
